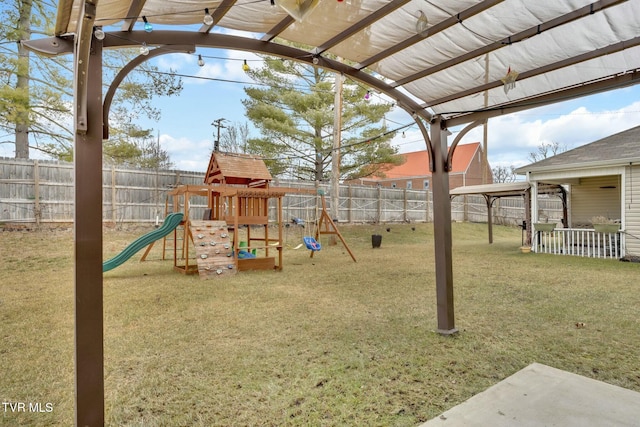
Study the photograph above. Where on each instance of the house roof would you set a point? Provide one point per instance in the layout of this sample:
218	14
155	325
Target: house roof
417	163
617	149
226	168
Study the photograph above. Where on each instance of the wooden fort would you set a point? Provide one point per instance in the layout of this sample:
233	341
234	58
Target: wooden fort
234	234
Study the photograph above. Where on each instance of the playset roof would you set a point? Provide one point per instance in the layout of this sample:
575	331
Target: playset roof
237	169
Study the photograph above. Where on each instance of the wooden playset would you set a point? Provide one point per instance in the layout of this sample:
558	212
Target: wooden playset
234	234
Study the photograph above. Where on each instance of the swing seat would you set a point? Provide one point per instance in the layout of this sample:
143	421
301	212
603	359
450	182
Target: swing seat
311	243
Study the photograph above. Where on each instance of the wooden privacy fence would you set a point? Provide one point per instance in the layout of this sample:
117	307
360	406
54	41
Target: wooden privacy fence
41	191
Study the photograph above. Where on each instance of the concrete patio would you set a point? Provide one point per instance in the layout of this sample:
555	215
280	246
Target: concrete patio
540	395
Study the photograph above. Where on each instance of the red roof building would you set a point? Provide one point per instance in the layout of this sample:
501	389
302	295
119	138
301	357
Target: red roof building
414	173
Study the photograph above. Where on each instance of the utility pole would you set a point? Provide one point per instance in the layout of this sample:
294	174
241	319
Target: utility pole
218	123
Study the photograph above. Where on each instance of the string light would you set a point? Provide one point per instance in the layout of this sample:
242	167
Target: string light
144	50
147	25
367	96
315	60
245	66
208	19
200	61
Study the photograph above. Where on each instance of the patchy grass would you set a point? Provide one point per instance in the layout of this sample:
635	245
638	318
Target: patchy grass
325	342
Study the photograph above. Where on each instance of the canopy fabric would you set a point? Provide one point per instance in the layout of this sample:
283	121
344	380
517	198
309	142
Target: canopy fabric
451	56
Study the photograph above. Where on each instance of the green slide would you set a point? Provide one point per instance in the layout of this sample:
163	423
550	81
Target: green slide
170	223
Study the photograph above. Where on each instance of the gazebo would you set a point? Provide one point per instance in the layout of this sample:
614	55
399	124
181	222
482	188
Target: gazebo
447	64
493	192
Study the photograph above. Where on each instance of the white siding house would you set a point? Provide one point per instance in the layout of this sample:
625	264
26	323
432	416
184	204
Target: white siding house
602	179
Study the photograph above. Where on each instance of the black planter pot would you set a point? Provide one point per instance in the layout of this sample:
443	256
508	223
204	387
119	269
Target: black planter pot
376	240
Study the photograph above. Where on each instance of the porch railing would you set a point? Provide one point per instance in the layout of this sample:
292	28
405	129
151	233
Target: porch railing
582	242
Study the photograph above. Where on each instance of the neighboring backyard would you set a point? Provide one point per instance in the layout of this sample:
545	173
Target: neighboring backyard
325	342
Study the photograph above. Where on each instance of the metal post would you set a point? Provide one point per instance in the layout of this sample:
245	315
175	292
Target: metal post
489	200
442	229
88	250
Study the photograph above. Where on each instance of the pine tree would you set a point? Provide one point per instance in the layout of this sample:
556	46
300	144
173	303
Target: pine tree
292	106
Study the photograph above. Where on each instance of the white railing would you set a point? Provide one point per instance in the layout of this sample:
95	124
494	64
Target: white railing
582	242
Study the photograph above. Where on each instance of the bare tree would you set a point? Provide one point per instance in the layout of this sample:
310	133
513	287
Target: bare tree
234	139
547	149
504	174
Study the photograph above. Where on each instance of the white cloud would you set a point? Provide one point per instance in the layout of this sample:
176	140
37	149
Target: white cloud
512	137
187	154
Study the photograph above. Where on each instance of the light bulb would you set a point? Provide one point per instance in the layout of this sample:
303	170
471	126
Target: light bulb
98	33
147	25
315	60
245	66
367	95
200	61
144	50
208	19
404	135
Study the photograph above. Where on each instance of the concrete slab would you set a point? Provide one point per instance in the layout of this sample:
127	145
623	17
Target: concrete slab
540	395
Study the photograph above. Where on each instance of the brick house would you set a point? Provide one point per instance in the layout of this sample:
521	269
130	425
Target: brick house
414	173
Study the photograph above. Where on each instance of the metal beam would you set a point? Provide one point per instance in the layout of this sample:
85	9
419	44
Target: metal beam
441	26
132	14
51	46
108	97
370	19
457	139
83	45
226	41
607	50
602	85
277	29
62	18
218	14
515	38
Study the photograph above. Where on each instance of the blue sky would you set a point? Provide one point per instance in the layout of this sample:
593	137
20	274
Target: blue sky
187	134
187	120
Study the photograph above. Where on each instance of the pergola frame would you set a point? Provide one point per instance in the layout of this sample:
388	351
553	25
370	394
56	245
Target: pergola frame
91	125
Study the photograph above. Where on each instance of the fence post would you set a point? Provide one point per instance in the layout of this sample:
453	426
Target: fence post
427	206
379	214
36	193
404	204
114	195
465	208
349	204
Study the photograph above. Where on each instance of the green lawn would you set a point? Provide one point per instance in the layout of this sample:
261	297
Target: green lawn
325	342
